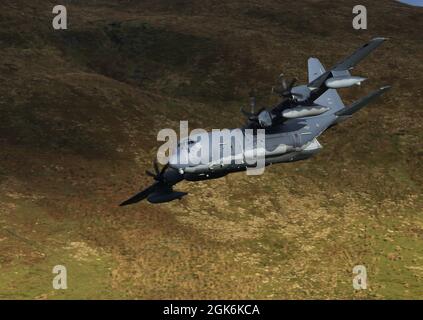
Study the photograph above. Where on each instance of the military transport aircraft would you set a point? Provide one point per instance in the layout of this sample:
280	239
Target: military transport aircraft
291	127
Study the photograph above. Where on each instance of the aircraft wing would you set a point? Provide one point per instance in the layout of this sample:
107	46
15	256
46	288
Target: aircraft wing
357	105
349	62
141	195
318	75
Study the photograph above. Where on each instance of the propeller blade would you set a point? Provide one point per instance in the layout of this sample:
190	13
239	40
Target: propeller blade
149	173
253	103
284	85
245	113
291	84
164	169
156	166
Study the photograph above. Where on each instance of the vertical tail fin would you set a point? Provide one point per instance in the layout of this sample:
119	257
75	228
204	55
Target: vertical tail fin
315	69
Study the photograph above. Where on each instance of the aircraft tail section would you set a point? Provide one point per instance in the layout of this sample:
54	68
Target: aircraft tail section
321	81
315	69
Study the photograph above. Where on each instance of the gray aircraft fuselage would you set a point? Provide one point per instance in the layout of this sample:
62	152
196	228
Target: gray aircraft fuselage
291	129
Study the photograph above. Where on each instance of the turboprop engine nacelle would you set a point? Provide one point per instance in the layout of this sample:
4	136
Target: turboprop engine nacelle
343	82
304	111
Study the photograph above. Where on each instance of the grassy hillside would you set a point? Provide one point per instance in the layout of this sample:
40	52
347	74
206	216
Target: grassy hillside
80	110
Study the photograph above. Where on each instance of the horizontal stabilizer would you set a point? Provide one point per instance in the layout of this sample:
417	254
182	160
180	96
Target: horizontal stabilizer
357	105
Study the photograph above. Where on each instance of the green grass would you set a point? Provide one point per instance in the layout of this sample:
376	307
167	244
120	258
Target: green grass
36	242
80	112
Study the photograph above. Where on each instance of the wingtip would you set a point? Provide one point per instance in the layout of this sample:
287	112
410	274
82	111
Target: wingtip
380	39
384	88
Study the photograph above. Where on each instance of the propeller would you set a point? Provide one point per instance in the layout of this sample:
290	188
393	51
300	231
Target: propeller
252	101
158	174
260	119
285	90
252	115
161	190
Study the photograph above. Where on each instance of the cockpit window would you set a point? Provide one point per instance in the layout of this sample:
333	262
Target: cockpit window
186	143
